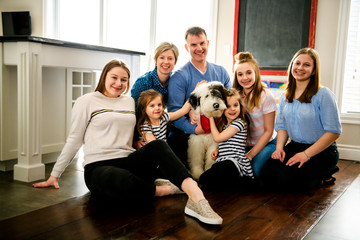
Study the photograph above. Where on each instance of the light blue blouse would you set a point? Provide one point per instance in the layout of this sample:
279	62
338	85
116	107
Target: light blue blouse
307	122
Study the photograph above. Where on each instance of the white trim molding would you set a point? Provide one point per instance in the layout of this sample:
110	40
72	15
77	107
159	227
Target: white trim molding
349	118
340	59
340	51
349	152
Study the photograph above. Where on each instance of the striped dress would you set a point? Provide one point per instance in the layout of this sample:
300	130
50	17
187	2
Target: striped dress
233	149
159	132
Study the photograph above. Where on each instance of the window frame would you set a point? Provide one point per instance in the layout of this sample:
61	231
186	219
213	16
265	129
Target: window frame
340	57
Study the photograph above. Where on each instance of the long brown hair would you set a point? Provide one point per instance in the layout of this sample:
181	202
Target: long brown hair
314	83
144	99
246	57
110	65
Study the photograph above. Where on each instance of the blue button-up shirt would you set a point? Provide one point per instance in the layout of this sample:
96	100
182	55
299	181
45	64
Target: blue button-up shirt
149	80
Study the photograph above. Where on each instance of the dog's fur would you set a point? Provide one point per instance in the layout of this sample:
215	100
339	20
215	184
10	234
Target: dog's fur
208	99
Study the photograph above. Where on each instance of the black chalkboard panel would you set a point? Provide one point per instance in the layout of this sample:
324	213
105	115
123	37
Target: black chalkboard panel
273	30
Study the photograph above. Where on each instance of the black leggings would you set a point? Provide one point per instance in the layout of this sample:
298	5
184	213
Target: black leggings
292	178
132	177
178	141
224	175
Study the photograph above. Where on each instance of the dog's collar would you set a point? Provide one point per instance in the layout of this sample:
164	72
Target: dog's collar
205	123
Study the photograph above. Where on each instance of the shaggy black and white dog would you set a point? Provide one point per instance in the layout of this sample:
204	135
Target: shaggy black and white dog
208	99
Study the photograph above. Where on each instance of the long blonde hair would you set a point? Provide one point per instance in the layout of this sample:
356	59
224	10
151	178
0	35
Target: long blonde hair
246	57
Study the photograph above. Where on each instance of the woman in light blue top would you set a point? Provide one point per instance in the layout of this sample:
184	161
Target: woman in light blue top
309	116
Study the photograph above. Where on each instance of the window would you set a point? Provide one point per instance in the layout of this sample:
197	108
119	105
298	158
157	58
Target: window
79	21
351	88
127	24
138	25
347	73
174	17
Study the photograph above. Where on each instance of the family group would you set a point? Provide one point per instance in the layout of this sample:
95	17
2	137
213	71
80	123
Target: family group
129	154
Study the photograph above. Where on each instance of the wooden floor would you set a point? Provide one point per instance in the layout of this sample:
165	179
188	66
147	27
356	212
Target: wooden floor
247	215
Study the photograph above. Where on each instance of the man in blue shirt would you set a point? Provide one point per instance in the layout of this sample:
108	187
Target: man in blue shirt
184	81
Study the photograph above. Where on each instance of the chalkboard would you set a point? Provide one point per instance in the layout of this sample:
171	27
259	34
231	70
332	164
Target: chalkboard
274	30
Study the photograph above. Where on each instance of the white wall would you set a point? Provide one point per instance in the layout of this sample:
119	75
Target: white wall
225	35
325	38
33	6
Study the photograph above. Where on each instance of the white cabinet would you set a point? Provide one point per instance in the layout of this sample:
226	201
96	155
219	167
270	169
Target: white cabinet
32	97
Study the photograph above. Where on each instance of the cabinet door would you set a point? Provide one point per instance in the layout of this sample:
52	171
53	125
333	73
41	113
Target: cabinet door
79	82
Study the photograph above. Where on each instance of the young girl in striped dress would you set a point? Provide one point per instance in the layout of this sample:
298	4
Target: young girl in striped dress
151	118
231	167
152	123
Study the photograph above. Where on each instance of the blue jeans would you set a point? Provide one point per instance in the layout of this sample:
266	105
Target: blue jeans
261	158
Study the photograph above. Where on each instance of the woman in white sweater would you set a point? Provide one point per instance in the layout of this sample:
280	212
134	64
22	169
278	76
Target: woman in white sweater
104	121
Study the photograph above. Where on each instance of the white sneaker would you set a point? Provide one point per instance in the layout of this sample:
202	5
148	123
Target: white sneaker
203	212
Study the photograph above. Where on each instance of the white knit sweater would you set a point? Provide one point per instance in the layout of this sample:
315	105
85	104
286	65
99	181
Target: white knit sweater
105	126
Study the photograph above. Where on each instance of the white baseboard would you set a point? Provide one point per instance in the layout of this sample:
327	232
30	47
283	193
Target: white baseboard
349	152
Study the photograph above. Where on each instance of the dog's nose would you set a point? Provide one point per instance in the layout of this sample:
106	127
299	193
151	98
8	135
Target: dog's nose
216	106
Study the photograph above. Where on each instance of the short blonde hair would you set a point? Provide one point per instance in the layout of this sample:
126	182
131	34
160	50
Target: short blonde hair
164	46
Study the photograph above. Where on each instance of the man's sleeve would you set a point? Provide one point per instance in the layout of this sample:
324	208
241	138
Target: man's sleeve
176	98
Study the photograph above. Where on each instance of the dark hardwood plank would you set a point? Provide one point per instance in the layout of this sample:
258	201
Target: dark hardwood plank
27	225
138	223
247	215
306	216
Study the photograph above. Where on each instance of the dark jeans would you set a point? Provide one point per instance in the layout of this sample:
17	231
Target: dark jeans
132	177
178	142
292	178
